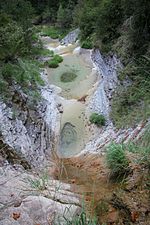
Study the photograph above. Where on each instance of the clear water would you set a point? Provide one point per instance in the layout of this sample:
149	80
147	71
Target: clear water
78	87
74	133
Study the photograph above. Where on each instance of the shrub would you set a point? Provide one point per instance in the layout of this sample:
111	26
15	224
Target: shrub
52	32
130	104
12	41
142	147
87	44
97	119
102	207
116	160
68	77
58	58
53	64
46	52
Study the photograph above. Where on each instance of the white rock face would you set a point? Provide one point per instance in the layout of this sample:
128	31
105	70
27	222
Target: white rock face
32	132
108	81
71	37
13	132
23	202
77	50
100	102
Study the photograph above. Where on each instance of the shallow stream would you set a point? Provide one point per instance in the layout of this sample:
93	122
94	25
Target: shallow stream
74	132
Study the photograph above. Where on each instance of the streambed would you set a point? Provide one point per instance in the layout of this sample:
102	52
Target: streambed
74	130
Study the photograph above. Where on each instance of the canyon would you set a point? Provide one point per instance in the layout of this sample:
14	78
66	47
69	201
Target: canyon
51	156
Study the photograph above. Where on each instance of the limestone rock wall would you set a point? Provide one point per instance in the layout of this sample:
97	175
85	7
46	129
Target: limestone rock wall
30	131
107	69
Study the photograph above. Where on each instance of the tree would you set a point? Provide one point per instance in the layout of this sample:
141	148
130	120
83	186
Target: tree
85	16
110	17
12	42
64	17
21	12
140	33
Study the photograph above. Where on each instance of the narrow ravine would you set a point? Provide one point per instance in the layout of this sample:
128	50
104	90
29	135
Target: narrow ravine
74	132
86	175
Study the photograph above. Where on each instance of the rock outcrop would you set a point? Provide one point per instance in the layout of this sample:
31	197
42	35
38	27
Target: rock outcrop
107	69
71	37
29	198
99	102
31	131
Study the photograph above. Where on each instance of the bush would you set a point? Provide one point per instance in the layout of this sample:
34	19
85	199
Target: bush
87	44
53	64
116	160
12	42
52	32
97	119
68	77
58	58
131	104
46	52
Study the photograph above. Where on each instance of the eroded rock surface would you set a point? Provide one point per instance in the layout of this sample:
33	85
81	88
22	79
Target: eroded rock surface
30	198
71	37
30	130
107	68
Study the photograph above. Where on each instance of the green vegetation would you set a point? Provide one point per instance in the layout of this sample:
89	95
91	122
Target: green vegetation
44	52
97	119
68	77
23	72
50	31
58	58
122	27
116	155
82	219
87	44
102	207
19	45
142	148
54	62
116	160
132	104
65	14
39	184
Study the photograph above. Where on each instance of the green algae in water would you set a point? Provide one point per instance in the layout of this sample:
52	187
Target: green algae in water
80	85
68	77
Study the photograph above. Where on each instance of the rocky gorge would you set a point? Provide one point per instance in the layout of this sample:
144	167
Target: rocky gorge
39	186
